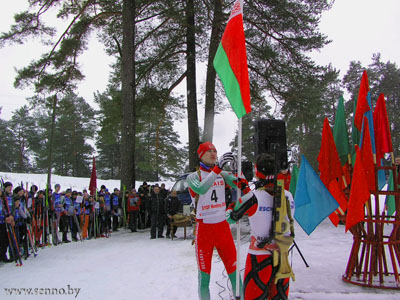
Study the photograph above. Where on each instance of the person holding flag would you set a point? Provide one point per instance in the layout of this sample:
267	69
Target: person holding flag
260	280
207	189
230	63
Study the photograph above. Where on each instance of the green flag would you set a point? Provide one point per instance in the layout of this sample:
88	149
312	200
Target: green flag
293	180
340	133
390	201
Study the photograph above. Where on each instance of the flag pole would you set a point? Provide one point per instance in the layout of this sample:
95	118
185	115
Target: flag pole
238	194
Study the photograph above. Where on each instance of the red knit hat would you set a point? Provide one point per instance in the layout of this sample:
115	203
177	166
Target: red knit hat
203	148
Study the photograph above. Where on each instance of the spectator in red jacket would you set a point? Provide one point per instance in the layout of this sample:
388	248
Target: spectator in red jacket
133	205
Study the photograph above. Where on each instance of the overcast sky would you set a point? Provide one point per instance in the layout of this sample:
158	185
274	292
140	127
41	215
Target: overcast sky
357	28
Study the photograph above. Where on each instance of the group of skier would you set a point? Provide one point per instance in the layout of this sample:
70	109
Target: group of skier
38	218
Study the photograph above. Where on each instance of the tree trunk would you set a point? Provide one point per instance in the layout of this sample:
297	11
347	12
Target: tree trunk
128	95
20	167
51	140
216	33
193	125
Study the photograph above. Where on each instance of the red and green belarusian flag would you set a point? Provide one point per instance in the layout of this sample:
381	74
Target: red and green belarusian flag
230	62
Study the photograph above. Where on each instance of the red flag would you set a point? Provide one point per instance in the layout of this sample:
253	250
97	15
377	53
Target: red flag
93	179
367	157
230	62
346	173
362	103
383	139
359	193
340	197
328	158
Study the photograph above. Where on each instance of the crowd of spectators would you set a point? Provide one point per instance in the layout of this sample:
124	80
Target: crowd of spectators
32	219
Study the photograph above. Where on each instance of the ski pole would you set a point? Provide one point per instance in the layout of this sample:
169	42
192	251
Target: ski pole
301	254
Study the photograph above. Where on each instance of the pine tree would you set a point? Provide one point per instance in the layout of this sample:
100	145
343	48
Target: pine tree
304	110
24	129
8	147
74	128
109	135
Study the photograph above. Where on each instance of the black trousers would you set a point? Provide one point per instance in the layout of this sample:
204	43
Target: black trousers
3	241
133	219
115	221
65	223
157	224
74	226
20	231
108	219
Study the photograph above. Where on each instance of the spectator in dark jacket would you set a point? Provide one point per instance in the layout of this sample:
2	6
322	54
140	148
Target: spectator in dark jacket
144	195
157	209
172	206
163	191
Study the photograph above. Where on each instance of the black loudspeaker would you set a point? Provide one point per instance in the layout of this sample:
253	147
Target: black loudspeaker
247	170
270	137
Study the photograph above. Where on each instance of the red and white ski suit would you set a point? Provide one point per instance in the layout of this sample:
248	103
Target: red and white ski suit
212	230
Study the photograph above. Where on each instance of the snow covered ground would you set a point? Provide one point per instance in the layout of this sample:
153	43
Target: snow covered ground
131	266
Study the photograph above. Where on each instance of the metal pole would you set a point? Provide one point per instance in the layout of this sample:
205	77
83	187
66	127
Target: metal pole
239	172
301	254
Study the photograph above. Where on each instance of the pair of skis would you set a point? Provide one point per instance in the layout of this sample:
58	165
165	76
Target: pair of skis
12	238
13	242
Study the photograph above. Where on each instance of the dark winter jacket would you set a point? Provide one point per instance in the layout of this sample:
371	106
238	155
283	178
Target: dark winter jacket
143	192
164	193
144	196
173	205
157	204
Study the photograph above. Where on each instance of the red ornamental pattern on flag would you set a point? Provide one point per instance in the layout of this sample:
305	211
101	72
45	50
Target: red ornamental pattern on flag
236	10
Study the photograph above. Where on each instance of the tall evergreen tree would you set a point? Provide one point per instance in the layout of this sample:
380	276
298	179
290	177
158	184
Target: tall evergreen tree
158	152
74	128
24	129
304	110
8	147
109	135
217	23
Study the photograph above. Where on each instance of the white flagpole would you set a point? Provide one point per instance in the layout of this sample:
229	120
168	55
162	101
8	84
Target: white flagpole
238	194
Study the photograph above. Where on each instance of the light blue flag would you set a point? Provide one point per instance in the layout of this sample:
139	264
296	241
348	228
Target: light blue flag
313	201
370	119
381	177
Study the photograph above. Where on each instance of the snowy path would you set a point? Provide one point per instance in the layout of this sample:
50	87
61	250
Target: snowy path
131	266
